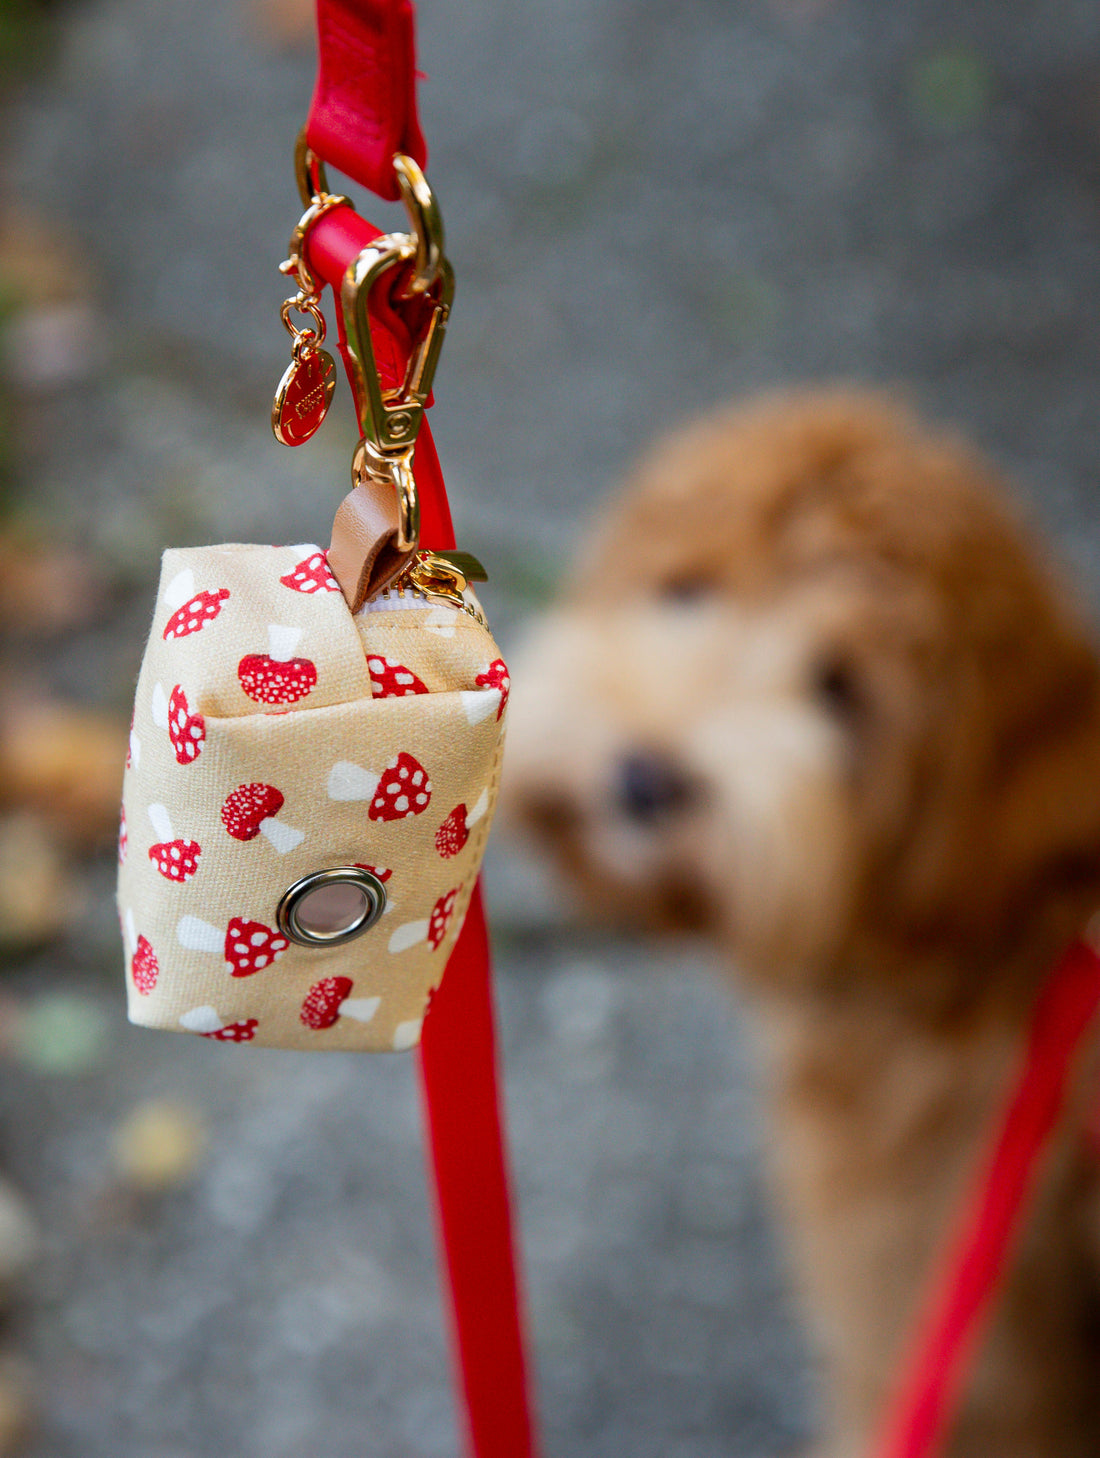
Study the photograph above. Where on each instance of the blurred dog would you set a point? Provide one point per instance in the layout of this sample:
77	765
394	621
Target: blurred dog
813	692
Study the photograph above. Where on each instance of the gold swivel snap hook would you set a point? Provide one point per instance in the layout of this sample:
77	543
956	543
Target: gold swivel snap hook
390	414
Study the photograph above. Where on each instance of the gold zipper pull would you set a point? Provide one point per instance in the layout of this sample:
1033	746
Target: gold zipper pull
464	562
443	576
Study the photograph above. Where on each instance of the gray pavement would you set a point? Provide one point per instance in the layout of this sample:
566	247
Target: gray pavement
650	208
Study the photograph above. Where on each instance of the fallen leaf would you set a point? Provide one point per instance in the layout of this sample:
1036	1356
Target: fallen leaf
45	589
66	763
159	1146
44	257
61	1033
39	897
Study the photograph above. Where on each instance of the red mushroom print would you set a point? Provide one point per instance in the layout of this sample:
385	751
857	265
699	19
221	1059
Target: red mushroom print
321	1008
123	838
442	912
453	834
187	731
208	1023
496	676
382	872
277	677
312	574
403	789
248	806
175	859
431	930
144	968
235	1032
250	946
250	810
194	615
392	680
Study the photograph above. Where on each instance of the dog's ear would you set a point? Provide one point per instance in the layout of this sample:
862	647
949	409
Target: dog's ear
1042	783
1004	858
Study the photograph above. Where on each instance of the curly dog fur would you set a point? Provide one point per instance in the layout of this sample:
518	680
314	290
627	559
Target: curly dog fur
814	691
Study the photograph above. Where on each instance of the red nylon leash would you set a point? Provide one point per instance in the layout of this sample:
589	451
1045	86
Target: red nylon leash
992	1214
363	111
364	104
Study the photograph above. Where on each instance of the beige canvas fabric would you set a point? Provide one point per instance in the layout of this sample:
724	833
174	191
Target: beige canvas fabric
276	735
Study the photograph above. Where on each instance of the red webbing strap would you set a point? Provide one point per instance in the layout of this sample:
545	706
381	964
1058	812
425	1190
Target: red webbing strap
458	1058
992	1214
457	1063
364	103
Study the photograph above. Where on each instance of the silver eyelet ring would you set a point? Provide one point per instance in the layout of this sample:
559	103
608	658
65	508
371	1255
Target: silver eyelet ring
328	908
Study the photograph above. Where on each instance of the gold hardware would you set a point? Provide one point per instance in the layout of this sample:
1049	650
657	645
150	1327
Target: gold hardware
390	416
425	219
395	469
304	393
295	262
444	577
464	563
309	171
307	337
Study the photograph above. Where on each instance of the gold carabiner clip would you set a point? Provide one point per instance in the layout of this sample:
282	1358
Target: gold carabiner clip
309	172
390	416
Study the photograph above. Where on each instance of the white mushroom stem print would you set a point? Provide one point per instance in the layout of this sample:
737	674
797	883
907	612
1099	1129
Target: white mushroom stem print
349	781
158	706
176	859
431	930
209	1023
247	946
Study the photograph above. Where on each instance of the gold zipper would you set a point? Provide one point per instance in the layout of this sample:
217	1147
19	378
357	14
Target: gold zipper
444	577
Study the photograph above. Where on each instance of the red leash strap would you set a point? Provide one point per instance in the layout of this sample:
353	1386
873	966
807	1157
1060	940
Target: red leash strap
364	104
993	1213
364	111
457	1066
461	1091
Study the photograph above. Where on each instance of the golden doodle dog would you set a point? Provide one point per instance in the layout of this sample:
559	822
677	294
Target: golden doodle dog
814	693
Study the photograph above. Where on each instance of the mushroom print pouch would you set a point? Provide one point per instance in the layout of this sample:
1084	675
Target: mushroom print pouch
306	803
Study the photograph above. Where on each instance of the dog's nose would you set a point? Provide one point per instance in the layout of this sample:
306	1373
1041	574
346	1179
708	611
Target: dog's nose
650	785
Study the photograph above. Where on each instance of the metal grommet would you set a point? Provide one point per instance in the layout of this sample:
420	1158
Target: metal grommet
330	907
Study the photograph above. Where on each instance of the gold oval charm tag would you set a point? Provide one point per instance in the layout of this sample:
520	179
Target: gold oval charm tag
303	397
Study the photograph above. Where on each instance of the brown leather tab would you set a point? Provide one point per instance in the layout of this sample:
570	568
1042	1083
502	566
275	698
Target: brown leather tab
364	557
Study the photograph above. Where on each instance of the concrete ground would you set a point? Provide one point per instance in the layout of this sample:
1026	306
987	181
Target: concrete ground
650	208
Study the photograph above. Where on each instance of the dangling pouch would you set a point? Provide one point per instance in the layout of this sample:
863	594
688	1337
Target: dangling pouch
306	801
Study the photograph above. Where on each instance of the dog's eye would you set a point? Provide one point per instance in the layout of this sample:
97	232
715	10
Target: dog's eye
837	687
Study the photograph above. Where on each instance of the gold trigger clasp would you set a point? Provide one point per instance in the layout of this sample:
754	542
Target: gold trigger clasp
390	415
